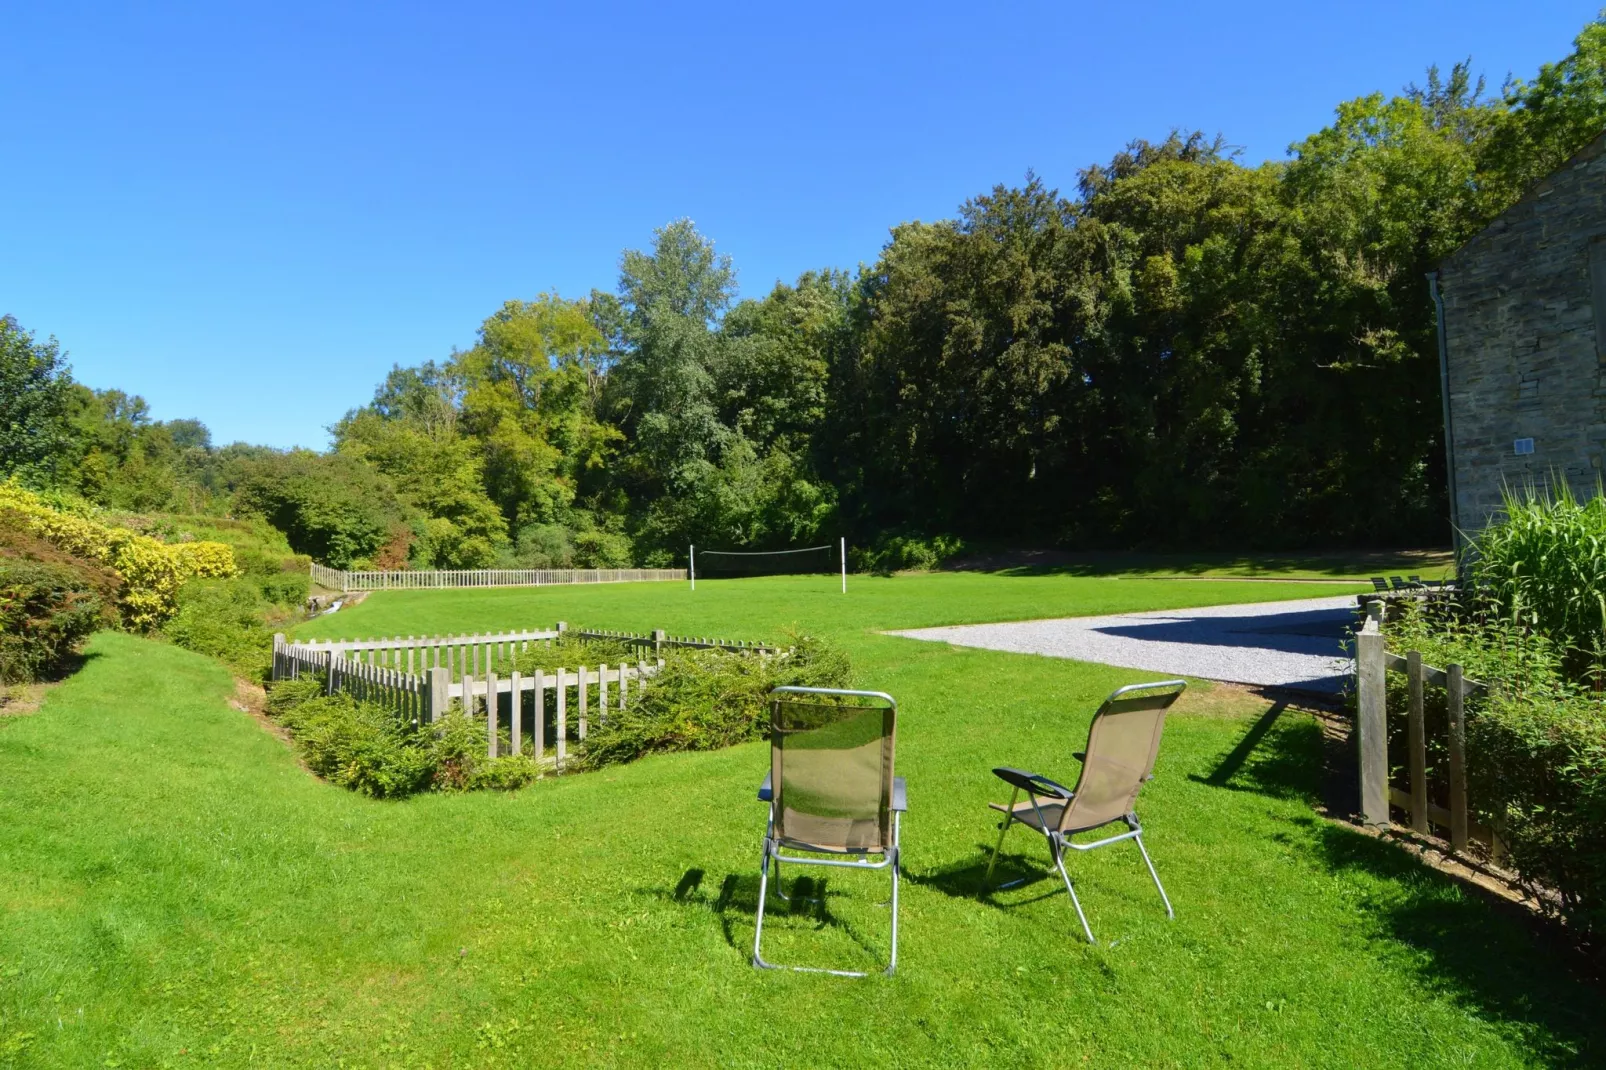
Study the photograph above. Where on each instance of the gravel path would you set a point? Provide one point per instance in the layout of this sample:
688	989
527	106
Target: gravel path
1279	644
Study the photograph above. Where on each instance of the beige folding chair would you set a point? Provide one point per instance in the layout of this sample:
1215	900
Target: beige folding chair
1122	744
831	791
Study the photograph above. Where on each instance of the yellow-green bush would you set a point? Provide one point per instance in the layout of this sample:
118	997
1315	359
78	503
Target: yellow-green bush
152	572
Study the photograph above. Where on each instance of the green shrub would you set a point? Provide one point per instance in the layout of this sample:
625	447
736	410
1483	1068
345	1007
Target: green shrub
46	611
901	552
286	695
569	652
364	746
360	745
1537	769
224	619
707	699
50	601
1536	754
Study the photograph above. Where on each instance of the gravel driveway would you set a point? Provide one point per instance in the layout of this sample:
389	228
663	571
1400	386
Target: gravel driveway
1280	644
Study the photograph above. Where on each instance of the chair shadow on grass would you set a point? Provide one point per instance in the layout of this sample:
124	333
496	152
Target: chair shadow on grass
1493	958
736	903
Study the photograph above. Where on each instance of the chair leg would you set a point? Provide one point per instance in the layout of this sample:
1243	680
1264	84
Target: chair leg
999	846
1059	861
897	860
763	892
1148	862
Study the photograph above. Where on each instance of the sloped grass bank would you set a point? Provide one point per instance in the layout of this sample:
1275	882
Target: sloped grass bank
176	890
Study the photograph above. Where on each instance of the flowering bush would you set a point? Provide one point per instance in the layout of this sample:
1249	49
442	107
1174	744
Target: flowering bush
152	571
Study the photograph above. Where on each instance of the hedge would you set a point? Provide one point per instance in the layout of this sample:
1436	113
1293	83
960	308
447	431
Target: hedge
152	572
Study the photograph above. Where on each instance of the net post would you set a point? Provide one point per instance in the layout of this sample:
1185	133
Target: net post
692	558
844	564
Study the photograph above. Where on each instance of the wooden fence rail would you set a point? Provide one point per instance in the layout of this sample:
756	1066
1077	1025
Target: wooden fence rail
406	580
1372	663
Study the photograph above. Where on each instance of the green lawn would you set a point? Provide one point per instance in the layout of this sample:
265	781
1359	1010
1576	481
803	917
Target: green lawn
174	890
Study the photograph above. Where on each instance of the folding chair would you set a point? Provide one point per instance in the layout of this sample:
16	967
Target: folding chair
1122	744
1398	583
831	792
1379	583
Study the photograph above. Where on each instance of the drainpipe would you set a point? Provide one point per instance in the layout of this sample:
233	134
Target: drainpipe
1444	394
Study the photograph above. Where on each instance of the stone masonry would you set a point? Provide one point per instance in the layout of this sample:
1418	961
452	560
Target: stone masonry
1525	332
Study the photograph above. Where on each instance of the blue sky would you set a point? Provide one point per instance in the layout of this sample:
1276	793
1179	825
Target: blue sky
248	212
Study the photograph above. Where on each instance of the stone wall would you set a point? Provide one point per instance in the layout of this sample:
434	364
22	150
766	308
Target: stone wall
1527	352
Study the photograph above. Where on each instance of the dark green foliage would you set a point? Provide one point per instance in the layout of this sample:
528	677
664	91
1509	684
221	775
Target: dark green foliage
332	507
225	620
46	611
360	745
568	651
50	601
1540	771
901	552
34	390
364	746
707	699
1536	754
456	745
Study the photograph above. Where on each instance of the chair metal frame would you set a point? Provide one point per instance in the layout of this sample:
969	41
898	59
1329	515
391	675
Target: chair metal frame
772	848
1038	786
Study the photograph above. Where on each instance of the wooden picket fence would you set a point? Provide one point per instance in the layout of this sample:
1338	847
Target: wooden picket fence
407	580
1372	663
421	676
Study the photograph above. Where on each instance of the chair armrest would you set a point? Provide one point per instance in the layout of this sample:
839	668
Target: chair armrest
900	795
765	793
1035	783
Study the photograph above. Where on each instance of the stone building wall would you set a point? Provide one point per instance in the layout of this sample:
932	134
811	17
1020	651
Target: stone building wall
1525	331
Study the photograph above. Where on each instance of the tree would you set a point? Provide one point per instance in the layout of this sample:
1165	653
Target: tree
35	384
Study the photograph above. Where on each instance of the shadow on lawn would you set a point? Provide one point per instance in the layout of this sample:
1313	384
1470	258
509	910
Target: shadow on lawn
736	904
1496	959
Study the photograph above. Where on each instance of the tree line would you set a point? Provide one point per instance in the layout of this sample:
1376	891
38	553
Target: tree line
1183	351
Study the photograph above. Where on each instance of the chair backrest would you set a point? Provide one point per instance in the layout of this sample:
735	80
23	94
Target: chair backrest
831	768
1379	583
1122	744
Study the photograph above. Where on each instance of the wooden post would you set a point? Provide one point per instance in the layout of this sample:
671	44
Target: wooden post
1417	743
538	748
329	669
490	712
468	694
516	729
278	655
563	719
658	639
1458	758
440	678
1371	727
582	697
624	684
602	694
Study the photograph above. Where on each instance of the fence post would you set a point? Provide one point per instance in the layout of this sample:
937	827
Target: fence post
490	712
1458	758
439	680
563	626
1371	723
278	655
515	731
329	672
1417	743
658	639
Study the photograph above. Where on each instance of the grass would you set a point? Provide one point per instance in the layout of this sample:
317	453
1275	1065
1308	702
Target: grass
175	890
1431	564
